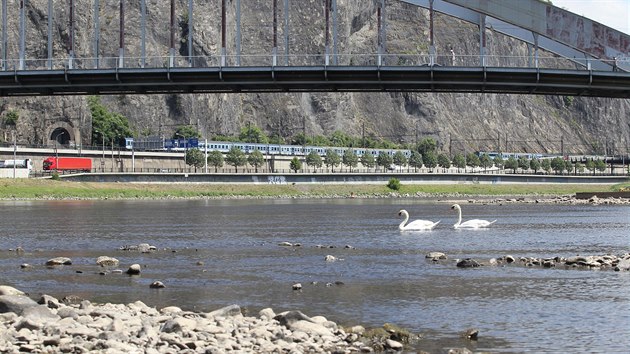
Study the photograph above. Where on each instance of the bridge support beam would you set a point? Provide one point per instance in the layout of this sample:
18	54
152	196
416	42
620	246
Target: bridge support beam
190	33
143	33
22	53
171	50
286	32
335	33
71	39
327	32
97	30
50	26
121	47
431	37
275	34
482	40
224	34
380	14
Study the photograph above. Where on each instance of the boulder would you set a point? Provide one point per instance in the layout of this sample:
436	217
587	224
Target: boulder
288	317
15	303
434	256
59	261
157	285
105	261
134	269
9	290
228	311
468	263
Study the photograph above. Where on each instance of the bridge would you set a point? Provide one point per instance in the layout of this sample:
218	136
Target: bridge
583	57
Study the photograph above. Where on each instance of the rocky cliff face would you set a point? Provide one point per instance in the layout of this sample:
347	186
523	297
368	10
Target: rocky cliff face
461	122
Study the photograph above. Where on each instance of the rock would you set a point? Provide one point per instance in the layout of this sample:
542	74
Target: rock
49	301
471	333
393	345
468	263
15	303
9	290
267	314
157	285
227	311
310	328
72	300
459	351
289	317
435	256
105	261
134	269
509	259
59	261
170	310
297	286
330	258
26	266
285	244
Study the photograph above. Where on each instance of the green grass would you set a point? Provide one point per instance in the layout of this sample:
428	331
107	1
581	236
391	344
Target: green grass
50	189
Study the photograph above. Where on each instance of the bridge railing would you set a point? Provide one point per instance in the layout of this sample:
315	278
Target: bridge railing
357	59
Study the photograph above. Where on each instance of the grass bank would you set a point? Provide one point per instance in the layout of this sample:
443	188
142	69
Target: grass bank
50	189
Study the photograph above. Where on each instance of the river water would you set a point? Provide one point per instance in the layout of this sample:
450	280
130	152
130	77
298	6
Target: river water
383	277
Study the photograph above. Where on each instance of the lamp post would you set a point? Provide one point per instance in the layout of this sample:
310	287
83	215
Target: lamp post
14	152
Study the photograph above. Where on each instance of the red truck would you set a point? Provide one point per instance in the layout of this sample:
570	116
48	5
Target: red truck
68	164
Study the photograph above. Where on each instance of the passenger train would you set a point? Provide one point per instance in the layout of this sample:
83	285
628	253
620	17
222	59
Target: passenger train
152	144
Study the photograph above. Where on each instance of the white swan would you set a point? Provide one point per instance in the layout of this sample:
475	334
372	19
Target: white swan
469	224
415	225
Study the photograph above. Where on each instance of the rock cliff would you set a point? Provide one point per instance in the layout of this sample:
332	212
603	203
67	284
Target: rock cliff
460	122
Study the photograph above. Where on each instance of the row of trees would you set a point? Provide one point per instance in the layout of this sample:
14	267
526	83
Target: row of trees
237	158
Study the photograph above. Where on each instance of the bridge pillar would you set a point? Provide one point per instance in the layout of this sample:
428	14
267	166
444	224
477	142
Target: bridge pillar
335	32
224	34
482	40
171	51
275	33
327	32
286	32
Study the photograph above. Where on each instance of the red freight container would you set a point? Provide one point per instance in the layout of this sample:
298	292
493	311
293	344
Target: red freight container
68	164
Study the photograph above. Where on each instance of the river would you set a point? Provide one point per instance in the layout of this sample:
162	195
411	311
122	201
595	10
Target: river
214	253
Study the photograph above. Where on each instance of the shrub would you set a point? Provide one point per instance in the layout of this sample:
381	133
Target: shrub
55	176
393	184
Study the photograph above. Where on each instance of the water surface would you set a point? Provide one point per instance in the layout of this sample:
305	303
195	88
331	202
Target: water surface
385	275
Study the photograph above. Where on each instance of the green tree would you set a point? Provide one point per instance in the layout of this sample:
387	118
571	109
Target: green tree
579	167
473	160
350	159
399	159
546	165
600	165
314	160
498	161
393	184
256	159
443	161
215	159
194	157
426	145
590	165
332	159
339	138
430	160
534	164
295	165
511	163
524	163
459	161
367	159
186	132
11	117
235	157
253	134
557	164
384	160
485	162
569	166
415	160
108	127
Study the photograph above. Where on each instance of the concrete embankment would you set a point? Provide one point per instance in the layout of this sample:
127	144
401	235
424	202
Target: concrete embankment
336	178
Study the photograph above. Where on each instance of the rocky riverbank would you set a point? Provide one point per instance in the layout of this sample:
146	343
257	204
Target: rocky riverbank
79	326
